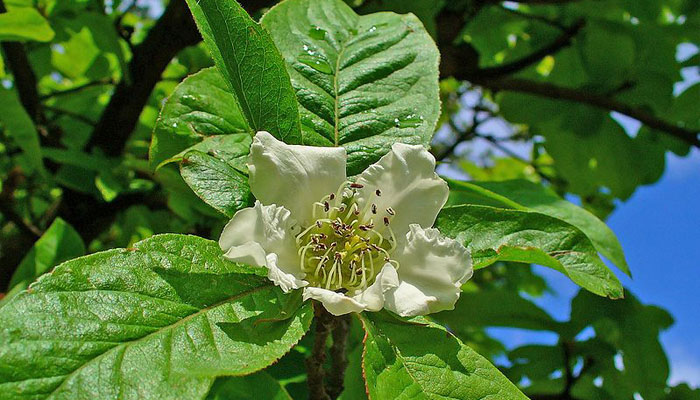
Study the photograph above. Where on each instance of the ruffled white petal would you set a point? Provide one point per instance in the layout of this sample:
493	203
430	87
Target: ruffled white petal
373	297
336	303
432	270
294	176
286	281
408	183
264	236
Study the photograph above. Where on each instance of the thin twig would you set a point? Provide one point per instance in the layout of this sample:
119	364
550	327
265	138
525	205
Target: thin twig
559	43
71	114
14	178
77	88
314	364
534	17
548	90
339	359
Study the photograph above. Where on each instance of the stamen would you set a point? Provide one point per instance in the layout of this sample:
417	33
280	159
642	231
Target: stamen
345	246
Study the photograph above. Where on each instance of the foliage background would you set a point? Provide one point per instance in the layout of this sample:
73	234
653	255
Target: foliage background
87	80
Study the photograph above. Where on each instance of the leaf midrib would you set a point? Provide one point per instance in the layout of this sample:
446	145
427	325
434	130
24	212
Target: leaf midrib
265	285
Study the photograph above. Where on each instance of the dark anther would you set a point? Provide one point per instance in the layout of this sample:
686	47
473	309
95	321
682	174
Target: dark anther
374	208
356	186
378	192
386	221
391	211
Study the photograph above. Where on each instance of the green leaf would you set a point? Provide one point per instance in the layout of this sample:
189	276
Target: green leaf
24	23
493	234
525	195
409	360
496	308
633	328
59	243
216	182
160	320
252	387
608	52
87	45
20	127
363	82
201	110
251	65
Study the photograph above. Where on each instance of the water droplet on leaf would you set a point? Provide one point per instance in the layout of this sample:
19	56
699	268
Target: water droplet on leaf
409	121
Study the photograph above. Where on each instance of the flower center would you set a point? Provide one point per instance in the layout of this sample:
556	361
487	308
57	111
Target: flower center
344	249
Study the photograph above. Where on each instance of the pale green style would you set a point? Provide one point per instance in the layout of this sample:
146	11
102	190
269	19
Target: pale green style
357	245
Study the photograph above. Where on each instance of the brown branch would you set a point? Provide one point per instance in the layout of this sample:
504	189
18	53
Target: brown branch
314	364
535	2
462	135
339	358
24	77
174	31
14	177
559	43
548	90
71	114
102	82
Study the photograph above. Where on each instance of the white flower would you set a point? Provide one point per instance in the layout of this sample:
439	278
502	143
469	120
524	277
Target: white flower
357	246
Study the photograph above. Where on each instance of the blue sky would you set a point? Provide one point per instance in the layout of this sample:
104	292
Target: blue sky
659	228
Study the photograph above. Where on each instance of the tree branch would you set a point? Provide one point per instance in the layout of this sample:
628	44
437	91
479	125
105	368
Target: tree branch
339	358
13	180
548	90
174	31
314	364
25	80
78	88
559	43
536	2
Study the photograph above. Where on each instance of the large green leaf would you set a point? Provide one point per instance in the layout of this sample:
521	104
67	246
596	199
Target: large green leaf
201	112
363	82
539	198
494	234
216	182
251	65
160	320
496	308
59	243
20	127
411	360
24	23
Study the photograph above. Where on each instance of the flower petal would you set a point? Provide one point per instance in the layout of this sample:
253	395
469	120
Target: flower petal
336	303
408	184
256	233
373	296
294	176
286	281
432	269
